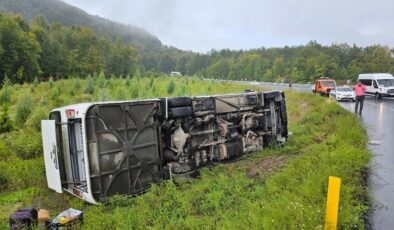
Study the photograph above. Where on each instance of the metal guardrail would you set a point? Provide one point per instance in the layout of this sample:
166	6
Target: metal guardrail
306	88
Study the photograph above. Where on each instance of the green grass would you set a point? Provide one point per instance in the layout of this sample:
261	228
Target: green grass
326	140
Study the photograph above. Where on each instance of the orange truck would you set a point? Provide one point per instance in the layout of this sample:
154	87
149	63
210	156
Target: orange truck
323	86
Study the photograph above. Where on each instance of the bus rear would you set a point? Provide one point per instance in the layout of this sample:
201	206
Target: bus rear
96	150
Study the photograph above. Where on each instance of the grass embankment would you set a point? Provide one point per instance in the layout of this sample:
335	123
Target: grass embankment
278	188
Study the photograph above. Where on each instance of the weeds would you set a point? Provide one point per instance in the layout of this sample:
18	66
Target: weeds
171	87
6	124
90	86
23	109
5	91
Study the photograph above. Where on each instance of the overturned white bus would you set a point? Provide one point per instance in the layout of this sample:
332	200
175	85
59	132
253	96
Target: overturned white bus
95	150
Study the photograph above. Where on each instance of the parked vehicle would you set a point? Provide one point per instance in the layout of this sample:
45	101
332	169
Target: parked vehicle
175	73
323	86
95	150
378	84
343	93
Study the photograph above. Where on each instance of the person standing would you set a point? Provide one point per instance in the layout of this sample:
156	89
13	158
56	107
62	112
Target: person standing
360	95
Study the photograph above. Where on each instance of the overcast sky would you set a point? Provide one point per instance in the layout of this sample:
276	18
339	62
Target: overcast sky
202	25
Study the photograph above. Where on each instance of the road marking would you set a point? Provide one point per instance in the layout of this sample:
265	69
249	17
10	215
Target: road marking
334	186
374	142
385	106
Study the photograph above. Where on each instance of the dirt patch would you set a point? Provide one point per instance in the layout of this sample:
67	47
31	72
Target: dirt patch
266	165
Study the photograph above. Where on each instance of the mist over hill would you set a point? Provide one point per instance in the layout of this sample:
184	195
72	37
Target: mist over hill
67	15
140	52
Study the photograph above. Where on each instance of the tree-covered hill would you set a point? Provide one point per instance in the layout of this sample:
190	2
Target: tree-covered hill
54	39
39	50
67	15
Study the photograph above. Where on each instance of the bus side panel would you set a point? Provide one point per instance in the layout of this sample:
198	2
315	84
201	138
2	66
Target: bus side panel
123	147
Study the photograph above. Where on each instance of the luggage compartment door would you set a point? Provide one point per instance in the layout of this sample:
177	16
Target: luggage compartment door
50	146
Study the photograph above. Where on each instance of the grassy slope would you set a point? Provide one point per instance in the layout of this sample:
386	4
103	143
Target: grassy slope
325	140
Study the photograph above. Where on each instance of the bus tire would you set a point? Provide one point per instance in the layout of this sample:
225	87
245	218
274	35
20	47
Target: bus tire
179	102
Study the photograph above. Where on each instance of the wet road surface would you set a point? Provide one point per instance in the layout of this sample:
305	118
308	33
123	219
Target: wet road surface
378	119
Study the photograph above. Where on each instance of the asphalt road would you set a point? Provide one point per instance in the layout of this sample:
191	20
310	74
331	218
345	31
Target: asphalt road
378	119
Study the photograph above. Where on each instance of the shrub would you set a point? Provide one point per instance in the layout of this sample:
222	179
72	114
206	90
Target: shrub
134	90
183	90
151	82
120	94
171	87
103	95
16	174
83	98
128	81
55	93
35	82
90	86
5	121
3	151
77	84
112	83
5	92
38	114
25	143
51	83
72	92
101	80
23	109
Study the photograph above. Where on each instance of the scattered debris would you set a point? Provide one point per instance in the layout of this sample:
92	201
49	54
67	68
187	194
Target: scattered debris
28	218
43	218
71	218
24	218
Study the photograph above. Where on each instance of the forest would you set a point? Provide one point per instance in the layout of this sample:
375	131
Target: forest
41	50
38	49
296	64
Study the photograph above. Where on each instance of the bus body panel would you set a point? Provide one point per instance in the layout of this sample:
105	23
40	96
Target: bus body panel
123	147
50	147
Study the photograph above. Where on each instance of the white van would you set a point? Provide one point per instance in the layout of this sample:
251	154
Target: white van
95	150
175	73
378	84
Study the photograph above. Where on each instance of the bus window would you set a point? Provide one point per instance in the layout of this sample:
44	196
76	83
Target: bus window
57	117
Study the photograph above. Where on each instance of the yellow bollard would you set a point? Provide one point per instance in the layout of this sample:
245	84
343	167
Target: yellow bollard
334	186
